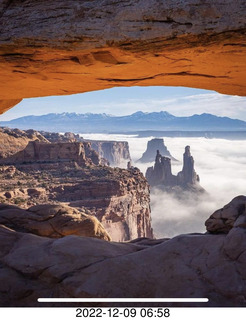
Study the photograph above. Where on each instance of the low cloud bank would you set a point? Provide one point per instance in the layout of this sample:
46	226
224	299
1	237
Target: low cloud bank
221	165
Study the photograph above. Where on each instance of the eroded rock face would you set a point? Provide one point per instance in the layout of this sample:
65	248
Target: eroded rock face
53	221
116	152
64	47
188	175
192	265
37	151
14	140
231	215
152	147
51	173
160	174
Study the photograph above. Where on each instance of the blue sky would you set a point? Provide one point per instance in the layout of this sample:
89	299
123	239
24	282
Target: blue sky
179	101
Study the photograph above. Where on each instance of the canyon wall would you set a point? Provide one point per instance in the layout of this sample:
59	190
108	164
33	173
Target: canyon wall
15	140
114	153
63	172
65	47
37	151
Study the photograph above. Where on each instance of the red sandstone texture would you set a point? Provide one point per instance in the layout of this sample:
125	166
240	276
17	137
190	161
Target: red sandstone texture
65	47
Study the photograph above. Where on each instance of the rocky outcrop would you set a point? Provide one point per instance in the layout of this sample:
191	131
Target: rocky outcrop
118	198
187	266
232	215
161	173
53	173
152	146
188	175
53	221
14	140
37	151
51	48
116	152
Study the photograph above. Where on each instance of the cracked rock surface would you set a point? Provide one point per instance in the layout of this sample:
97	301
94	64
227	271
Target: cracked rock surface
65	47
191	265
231	215
53	221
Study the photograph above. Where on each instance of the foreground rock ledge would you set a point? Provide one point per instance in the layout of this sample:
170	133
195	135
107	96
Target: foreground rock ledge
194	265
65	47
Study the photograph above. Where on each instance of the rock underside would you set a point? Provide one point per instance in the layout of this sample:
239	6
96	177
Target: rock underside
65	47
191	266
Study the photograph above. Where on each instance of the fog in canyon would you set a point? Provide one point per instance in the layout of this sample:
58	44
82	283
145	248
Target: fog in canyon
221	165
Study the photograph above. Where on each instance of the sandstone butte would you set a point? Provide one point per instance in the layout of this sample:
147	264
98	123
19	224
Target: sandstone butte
56	47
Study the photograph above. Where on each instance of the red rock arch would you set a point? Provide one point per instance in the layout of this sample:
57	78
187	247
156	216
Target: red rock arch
65	47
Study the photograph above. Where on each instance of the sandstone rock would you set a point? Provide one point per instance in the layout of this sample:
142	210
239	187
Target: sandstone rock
231	215
37	151
189	266
152	147
188	175
51	48
116	152
53	221
161	174
118	198
15	140
121	204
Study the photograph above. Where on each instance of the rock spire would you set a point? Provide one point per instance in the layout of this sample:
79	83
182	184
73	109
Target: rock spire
161	173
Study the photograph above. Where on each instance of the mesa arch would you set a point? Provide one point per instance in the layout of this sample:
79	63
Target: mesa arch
53	47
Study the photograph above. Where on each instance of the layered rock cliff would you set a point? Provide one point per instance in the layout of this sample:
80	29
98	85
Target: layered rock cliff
37	151
114	153
14	140
56	173
117	153
65	47
161	173
152	146
187	266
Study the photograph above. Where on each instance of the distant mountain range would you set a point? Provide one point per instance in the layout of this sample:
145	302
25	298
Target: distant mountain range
138	121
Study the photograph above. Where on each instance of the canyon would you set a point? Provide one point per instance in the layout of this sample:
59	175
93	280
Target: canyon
67	47
115	153
73	174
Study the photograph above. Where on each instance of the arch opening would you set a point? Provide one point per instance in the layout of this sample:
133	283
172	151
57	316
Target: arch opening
218	153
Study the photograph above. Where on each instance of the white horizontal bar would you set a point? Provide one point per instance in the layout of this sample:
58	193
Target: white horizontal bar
122	299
